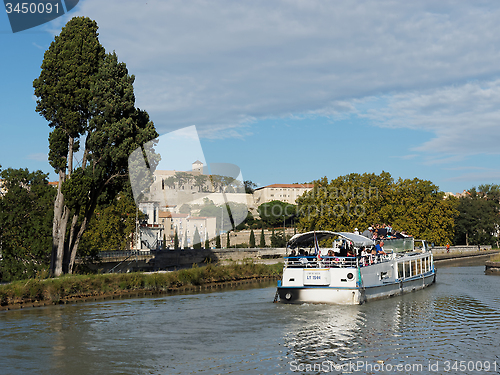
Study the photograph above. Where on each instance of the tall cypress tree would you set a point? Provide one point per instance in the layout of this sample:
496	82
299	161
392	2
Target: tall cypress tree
86	95
63	91
252	239
196	240
186	245
176	240
207	242
262	239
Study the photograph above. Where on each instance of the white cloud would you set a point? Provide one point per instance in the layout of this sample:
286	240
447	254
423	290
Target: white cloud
224	65
37	157
464	118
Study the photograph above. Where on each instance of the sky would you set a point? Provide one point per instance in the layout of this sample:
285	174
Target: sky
292	91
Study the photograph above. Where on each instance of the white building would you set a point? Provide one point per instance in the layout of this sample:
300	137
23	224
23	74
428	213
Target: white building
186	227
287	193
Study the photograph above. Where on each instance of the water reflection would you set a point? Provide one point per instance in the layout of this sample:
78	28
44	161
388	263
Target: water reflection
242	331
442	323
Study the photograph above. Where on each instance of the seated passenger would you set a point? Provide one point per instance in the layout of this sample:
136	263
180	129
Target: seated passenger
379	248
292	254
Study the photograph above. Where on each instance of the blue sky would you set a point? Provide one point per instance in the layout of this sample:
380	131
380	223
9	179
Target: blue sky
291	91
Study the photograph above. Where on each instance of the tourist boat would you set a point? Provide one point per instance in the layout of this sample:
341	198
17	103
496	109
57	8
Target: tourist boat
315	277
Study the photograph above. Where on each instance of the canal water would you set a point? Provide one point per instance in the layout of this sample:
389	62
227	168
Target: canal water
452	327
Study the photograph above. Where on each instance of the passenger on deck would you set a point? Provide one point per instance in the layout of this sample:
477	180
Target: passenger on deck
379	248
292	254
368	232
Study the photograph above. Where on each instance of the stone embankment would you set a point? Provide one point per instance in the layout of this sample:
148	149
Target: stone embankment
177	259
492	268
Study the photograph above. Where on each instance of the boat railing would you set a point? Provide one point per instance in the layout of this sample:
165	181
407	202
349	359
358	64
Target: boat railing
335	261
322	262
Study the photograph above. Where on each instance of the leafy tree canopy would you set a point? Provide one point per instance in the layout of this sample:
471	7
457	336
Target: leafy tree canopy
273	213
413	205
87	97
479	218
25	224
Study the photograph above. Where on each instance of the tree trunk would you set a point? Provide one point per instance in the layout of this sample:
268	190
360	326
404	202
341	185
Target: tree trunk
58	229
77	231
72	235
70	155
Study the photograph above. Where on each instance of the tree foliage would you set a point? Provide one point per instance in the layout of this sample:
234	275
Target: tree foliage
196	239
275	212
252	239
413	205
262	242
87	97
112	227
25	224
479	218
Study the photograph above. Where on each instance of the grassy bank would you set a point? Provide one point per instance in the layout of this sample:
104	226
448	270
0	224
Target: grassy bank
495	258
80	286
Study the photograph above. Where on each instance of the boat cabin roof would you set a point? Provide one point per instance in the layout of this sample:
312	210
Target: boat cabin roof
306	239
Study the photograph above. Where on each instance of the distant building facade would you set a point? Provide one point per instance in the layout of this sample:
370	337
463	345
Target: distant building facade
287	193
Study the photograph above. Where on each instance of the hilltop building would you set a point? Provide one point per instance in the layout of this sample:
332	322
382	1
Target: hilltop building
287	193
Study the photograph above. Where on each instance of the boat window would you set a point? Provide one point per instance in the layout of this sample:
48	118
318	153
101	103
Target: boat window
414	267
419	266
401	273
407	269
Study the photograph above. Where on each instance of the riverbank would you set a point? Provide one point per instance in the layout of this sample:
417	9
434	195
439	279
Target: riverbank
453	255
80	288
493	266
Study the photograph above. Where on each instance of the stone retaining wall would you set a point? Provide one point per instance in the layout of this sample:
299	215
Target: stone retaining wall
460	249
492	268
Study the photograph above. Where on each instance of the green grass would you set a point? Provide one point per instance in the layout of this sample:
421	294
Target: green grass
56	289
495	258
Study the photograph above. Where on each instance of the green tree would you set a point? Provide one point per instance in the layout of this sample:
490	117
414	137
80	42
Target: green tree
86	96
262	243
176	240
478	221
186	244
200	181
217	242
207	242
249	186
228	242
112	227
416	206
275	212
252	239
196	239
25	224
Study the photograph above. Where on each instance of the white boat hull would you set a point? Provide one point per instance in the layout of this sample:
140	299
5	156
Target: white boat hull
353	295
351	280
